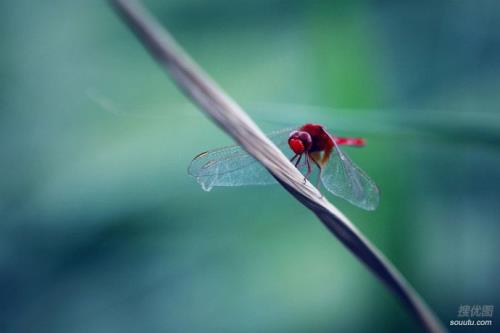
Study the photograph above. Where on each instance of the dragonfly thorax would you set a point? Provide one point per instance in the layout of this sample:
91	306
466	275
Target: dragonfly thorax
300	142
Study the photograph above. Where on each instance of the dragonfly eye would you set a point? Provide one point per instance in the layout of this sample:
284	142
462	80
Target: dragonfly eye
300	141
296	145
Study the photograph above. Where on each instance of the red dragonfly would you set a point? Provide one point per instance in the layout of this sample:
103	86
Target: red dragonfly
309	147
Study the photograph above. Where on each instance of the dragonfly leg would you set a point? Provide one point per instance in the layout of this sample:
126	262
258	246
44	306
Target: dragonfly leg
309	169
318	183
294	157
315	157
298	161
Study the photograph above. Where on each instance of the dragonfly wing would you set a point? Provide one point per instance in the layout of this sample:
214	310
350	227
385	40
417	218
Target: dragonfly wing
345	179
230	166
233	166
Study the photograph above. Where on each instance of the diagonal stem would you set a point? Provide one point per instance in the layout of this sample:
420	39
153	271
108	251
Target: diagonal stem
231	118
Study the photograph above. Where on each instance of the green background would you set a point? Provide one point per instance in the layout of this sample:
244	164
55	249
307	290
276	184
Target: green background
102	230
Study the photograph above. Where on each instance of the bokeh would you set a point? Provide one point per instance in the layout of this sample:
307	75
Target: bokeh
102	230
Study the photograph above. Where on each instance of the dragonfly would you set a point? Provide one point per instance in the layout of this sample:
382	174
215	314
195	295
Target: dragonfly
310	147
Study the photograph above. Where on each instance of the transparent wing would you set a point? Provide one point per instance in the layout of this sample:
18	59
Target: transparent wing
233	166
345	179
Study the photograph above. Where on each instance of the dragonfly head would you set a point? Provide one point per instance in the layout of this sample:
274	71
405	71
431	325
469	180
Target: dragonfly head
300	142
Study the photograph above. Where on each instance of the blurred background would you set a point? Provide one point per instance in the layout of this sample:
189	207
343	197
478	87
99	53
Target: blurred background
102	230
